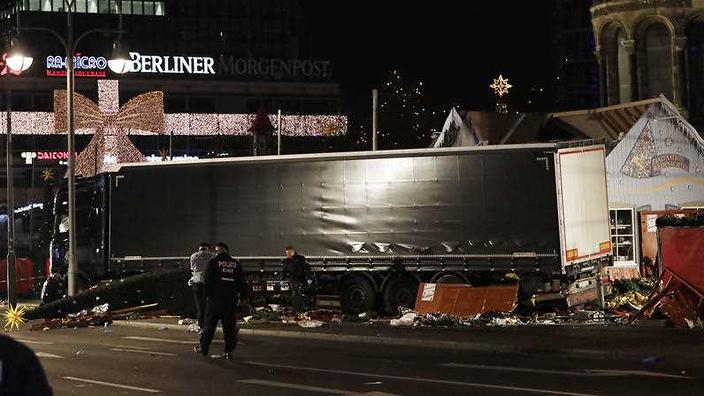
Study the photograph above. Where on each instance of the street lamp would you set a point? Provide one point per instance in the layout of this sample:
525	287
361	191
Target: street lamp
21	61
119	62
17	59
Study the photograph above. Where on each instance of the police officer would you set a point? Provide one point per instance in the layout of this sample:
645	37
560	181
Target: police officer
224	282
296	270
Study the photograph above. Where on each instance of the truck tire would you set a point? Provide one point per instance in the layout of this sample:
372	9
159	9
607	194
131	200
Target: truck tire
400	292
357	295
450	278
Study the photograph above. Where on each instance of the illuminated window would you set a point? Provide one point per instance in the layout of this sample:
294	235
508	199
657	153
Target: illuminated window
137	8
81	6
46	5
159	8
35	5
93	6
104	6
58	5
148	8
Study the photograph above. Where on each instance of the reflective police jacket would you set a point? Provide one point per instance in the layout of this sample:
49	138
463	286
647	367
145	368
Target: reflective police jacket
224	279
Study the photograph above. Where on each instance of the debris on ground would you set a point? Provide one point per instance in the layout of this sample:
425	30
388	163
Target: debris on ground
100	315
465	300
407	319
311	323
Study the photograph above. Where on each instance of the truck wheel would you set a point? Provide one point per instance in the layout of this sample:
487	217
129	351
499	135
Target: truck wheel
450	278
357	295
400	292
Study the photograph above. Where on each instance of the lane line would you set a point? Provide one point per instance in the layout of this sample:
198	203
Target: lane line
34	342
110	384
415	379
577	372
638	373
127	346
286	385
48	355
143	352
168	341
516	369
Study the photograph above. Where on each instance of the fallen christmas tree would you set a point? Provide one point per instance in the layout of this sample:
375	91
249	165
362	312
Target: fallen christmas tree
167	288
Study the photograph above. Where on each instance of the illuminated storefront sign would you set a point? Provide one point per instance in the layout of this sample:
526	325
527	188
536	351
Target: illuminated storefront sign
171	64
30	156
84	66
273	68
158	158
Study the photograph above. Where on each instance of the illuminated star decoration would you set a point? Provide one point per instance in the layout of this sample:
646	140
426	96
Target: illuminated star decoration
47	174
14	318
501	86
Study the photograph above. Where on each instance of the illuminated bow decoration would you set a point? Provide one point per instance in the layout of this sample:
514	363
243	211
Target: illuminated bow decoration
110	143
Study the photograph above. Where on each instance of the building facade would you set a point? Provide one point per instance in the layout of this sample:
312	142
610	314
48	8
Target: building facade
216	63
648	48
576	81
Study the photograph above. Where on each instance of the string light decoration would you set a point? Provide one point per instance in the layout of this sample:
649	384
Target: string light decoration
111	124
501	89
501	86
403	119
14	318
183	124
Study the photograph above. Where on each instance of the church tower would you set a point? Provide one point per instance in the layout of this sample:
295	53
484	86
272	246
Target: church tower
652	47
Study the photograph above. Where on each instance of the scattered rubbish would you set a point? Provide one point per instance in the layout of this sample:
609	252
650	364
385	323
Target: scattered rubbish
406	320
311	323
187	321
97	316
374	383
163	327
465	300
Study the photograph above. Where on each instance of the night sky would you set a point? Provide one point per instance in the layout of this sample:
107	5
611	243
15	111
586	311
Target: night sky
455	47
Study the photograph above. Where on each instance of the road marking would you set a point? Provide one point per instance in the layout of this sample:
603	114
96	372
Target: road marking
577	372
194	342
638	372
34	342
143	351
516	369
48	355
415	379
134	388
277	384
126	346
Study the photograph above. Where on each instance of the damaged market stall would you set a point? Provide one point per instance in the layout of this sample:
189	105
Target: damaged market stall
681	293
657	165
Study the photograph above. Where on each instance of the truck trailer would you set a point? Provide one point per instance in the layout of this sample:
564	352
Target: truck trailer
372	224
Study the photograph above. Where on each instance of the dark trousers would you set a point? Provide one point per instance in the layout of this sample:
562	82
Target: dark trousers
299	298
199	297
215	312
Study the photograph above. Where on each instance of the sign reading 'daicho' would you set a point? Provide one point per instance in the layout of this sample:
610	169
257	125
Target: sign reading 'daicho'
274	68
171	64
84	66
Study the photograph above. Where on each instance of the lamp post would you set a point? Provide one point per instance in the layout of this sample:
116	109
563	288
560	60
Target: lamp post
11	280
119	63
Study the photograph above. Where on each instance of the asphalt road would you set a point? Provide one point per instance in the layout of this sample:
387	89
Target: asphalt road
127	361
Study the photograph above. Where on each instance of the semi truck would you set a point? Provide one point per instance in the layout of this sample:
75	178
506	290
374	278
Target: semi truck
373	225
